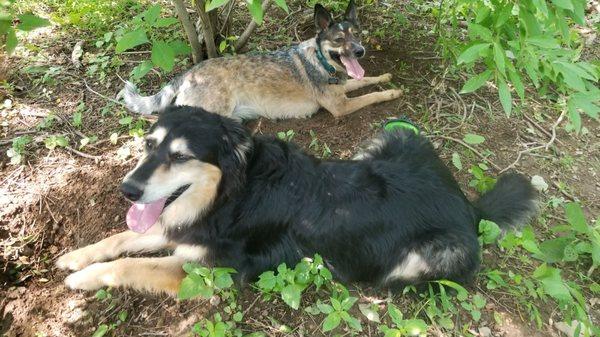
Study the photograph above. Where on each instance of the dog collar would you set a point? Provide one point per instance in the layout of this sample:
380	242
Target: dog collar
328	67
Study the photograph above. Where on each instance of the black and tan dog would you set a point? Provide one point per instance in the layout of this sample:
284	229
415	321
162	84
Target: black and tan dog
289	83
217	195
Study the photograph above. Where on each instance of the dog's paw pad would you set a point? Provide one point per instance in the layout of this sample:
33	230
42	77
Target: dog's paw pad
75	260
386	77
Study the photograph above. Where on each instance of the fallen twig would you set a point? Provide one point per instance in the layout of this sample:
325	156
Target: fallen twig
470	148
99	94
82	154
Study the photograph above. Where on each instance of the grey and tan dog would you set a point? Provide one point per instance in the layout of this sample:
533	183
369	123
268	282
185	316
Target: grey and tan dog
288	83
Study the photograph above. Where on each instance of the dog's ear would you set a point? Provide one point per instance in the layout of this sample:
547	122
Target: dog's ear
350	14
233	154
323	18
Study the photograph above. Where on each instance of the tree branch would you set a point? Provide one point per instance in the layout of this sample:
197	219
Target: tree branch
189	29
241	42
207	28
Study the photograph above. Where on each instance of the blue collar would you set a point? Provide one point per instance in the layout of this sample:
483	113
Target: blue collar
330	69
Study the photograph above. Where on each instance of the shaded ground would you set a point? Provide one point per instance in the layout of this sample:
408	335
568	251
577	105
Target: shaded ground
59	200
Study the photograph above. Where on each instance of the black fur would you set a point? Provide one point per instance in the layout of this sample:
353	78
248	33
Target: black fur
364	217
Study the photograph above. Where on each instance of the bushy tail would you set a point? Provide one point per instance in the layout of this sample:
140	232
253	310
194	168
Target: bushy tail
146	105
511	203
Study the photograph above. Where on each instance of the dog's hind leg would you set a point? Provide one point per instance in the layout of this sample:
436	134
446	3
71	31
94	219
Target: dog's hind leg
112	247
353	84
157	274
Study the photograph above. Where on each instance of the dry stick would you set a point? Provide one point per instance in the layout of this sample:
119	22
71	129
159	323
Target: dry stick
99	94
241	42
189	29
539	127
207	28
84	155
544	146
470	148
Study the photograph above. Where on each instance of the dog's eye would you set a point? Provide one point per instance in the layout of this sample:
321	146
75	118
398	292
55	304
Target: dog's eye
339	39
149	143
179	157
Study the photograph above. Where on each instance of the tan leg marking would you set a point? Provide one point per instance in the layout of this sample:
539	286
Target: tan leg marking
112	247
341	106
157	274
353	84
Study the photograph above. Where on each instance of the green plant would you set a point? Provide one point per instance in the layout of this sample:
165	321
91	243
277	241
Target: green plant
286	136
10	23
105	296
163	52
481	182
254	7
402	327
205	282
51	142
520	43
18	149
337	312
290	283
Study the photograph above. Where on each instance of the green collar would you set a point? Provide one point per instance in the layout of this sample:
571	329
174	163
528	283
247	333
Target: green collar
328	67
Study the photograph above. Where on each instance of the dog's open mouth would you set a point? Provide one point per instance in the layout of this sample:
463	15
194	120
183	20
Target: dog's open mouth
353	68
140	217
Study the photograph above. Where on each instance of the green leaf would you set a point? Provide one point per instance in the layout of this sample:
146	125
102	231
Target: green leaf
282	5
141	69
11	41
456	161
255	8
489	231
368	311
223	278
476	30
122	315
471	138
192	286
552	283
348	302
472	53
165	22
210	5
395	314
267	281
574	115
353	322
101	330
331	321
479	301
30	22
499	58
237	317
291	295
163	55
596	251
515	78
564	4
482	14
553	250
180	47
503	15
324	308
131	40
571	78
476	82
544	42
577	70
415	327
505	97
576	217
151	14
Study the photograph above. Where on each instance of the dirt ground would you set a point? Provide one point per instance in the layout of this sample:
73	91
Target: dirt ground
60	200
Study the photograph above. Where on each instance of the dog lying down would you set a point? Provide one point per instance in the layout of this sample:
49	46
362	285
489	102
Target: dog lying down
215	194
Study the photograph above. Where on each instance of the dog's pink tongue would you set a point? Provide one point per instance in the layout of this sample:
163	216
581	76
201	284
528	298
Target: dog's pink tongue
353	68
141	217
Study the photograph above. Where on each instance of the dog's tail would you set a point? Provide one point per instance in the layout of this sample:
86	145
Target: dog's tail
146	105
511	203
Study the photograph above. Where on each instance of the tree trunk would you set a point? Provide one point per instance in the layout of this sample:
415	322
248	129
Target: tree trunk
189	29
209	35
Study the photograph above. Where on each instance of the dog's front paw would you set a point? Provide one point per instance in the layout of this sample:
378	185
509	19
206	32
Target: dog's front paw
75	260
385	77
395	93
93	277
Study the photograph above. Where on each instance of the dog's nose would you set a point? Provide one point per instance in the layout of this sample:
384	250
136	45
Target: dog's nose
131	191
358	50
